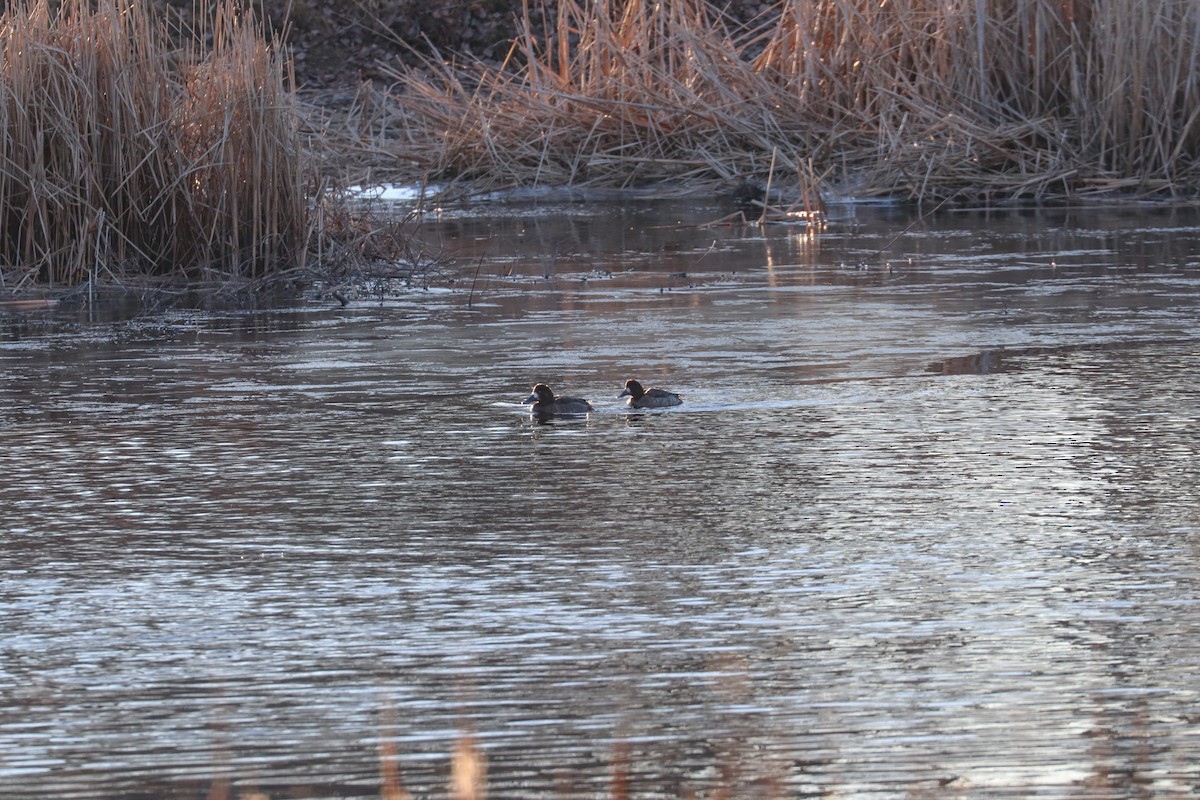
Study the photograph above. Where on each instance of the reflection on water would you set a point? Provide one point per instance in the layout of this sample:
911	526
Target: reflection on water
249	548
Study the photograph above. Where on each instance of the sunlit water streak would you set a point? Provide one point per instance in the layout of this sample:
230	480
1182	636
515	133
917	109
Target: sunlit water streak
251	546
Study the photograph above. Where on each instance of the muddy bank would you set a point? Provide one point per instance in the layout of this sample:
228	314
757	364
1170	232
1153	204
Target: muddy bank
337	44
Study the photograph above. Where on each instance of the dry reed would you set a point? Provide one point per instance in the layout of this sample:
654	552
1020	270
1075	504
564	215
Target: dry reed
910	98
123	157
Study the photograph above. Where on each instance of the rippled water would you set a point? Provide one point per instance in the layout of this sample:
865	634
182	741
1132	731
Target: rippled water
925	526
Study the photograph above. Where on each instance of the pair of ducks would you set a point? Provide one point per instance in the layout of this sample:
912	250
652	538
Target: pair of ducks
544	401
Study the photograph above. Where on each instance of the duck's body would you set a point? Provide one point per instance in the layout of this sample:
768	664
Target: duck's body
544	402
648	398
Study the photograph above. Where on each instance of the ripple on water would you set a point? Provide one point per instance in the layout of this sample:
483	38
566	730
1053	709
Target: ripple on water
258	550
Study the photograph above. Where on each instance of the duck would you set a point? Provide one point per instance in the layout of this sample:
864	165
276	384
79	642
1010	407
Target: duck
648	398
544	402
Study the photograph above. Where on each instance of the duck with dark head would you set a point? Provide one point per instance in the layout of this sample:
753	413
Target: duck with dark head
545	403
648	398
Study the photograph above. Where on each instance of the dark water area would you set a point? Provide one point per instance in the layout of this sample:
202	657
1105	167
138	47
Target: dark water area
926	524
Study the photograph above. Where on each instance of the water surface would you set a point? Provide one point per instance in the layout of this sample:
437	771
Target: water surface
926	524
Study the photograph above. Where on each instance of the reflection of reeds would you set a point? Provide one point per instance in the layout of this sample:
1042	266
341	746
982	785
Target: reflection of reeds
122	156
911	97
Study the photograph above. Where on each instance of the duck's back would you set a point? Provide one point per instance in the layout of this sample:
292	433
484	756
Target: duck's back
569	405
657	398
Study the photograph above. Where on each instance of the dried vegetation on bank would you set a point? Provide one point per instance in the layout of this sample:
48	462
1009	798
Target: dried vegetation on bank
915	99
138	157
138	151
122	156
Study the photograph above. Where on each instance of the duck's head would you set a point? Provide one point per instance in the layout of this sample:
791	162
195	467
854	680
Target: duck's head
632	389
541	394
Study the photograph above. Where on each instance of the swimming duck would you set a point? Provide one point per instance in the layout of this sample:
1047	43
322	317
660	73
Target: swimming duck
544	402
648	398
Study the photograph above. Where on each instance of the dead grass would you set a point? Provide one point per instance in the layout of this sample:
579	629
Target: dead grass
123	157
914	99
134	162
127	158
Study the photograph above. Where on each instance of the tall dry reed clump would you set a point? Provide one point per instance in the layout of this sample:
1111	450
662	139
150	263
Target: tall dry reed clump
124	157
910	98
